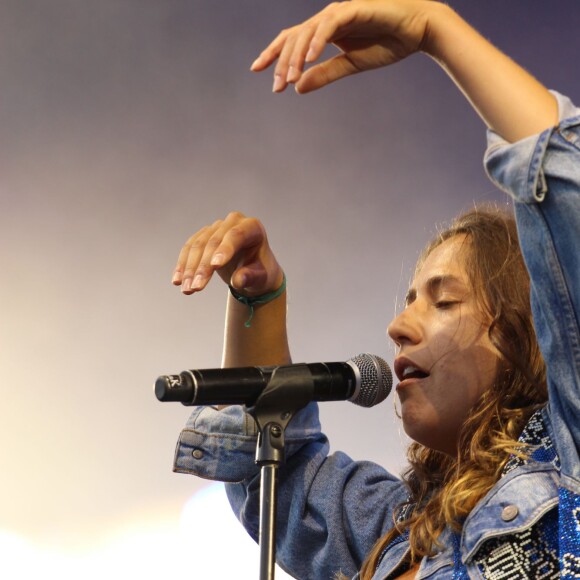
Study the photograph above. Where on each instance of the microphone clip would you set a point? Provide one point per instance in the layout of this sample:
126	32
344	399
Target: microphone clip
289	390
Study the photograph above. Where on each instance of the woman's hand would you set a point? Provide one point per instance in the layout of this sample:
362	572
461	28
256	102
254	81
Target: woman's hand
237	249
370	34
375	33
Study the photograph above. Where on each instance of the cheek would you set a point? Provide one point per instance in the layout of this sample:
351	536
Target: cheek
470	363
465	376
485	362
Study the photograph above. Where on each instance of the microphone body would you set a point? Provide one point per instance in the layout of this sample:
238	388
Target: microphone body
364	380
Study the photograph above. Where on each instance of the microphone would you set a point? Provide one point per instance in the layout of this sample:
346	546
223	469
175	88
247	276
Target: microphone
364	380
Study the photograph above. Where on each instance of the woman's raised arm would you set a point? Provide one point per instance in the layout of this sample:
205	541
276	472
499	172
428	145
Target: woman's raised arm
376	33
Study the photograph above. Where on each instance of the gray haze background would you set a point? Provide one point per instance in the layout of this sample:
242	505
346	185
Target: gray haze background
125	125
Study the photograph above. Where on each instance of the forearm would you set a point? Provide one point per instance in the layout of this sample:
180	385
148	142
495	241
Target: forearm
264	342
509	100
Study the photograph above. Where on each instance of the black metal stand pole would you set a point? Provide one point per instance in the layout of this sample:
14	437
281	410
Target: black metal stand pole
290	389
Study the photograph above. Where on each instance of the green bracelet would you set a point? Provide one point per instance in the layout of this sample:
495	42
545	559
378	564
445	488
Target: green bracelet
251	301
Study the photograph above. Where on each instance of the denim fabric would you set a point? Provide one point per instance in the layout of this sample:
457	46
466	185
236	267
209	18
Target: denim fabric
331	509
542	174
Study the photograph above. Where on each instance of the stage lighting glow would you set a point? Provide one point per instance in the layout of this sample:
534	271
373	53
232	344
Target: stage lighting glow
207	542
209	527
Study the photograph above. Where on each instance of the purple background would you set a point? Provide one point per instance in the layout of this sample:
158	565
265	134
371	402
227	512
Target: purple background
125	125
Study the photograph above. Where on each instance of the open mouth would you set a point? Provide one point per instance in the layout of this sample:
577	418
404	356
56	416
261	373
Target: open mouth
413	373
405	369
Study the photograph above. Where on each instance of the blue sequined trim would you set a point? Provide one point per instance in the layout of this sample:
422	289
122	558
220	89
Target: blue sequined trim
459	569
550	549
535	436
569	532
534	552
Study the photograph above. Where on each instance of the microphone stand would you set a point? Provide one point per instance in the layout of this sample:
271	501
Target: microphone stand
289	389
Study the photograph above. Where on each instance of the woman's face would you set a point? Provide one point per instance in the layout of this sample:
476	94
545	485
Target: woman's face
445	360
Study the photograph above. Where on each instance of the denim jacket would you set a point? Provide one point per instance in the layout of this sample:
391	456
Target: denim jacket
331	509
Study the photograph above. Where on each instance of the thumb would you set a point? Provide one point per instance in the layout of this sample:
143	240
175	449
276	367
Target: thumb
325	73
251	279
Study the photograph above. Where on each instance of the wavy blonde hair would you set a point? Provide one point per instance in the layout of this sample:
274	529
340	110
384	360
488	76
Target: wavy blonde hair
443	489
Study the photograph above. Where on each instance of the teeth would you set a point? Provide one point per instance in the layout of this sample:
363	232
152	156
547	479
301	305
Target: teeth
409	370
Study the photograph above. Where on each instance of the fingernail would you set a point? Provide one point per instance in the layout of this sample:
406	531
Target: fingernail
176	278
255	63
197	282
310	55
217	260
278	84
292	75
186	286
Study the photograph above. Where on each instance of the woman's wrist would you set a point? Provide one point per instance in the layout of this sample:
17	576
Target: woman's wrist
440	20
264	342
252	301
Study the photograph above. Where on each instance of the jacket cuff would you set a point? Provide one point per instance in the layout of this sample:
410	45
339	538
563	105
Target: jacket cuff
516	168
221	445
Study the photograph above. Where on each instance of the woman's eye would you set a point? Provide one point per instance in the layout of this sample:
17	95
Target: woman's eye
445	303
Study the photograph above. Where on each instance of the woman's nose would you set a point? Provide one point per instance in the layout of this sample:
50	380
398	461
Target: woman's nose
404	328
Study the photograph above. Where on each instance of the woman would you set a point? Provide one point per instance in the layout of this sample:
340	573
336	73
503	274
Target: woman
493	484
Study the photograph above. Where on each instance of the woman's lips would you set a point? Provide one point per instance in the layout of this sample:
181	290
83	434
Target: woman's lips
408	371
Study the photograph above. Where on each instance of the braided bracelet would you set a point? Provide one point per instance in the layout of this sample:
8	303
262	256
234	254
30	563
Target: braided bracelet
251	301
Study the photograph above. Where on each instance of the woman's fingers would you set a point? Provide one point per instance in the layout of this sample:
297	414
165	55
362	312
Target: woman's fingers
370	34
290	51
301	44
325	73
236	248
304	43
191	271
283	65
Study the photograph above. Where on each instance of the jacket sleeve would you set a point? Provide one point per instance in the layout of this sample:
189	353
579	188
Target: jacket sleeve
542	174
331	509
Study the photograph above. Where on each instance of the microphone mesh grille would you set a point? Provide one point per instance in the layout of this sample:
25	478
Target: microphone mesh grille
376	380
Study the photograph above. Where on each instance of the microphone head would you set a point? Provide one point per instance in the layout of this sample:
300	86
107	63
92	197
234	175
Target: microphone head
375	380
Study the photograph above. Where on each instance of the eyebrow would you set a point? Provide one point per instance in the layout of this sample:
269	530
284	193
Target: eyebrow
434	285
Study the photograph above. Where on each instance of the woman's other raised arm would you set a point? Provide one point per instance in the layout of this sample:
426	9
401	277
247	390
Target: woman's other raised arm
237	249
